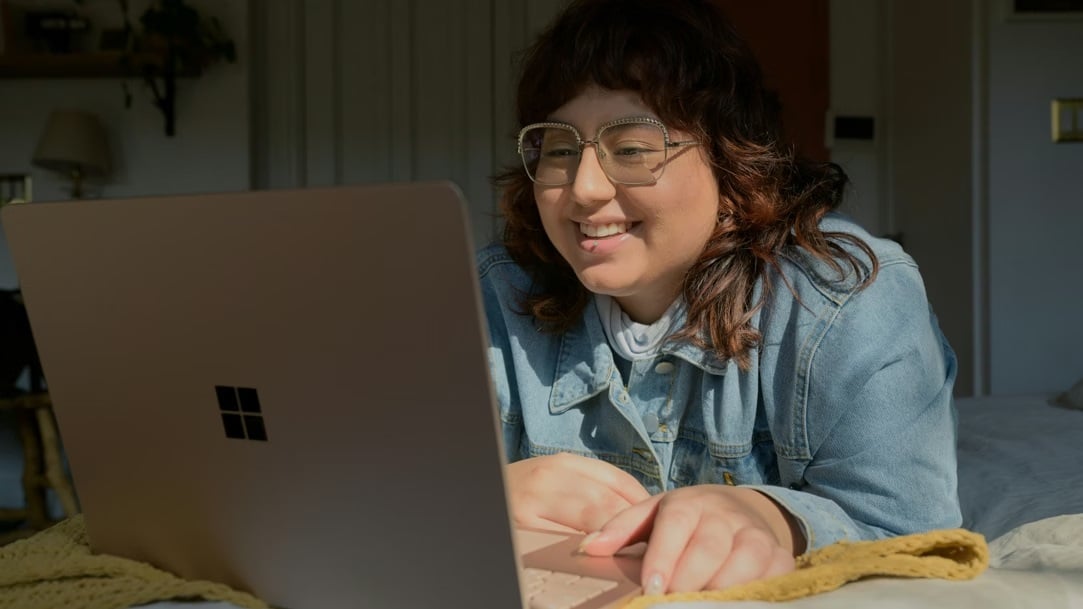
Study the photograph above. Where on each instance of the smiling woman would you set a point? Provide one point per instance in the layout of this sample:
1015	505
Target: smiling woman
690	347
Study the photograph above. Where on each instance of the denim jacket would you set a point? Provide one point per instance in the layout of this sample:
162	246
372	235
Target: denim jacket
845	417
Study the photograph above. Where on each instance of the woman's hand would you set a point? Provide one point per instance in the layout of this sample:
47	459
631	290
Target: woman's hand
703	538
569	493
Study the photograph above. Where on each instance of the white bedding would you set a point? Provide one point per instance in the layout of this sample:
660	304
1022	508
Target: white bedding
1049	544
1020	460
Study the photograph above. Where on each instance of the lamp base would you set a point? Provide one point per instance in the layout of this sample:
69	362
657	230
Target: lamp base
76	184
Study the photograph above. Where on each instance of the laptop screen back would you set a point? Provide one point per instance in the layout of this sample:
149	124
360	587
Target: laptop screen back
284	391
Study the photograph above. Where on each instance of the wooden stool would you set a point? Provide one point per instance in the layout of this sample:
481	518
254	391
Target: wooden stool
43	464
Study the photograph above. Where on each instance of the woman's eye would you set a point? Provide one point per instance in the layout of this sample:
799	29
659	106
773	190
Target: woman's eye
632	149
561	152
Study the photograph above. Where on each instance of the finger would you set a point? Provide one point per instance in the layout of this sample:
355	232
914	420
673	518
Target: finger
752	555
782	563
710	546
545	524
674	526
603	504
535	512
626	528
588	508
560	489
620	481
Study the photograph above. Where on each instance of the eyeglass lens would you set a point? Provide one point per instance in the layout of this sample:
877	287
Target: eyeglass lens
629	153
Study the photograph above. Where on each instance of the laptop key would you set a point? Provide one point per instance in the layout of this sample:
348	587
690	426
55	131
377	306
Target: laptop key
555	590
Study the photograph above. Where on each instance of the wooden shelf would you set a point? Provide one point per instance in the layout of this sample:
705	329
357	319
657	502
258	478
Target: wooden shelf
77	65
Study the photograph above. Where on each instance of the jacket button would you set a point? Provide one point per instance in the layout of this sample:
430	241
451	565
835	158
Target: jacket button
795	486
664	367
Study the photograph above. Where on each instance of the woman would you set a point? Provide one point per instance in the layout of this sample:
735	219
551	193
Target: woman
690	348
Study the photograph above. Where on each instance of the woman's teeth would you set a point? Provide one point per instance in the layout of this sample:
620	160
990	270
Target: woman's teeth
603	230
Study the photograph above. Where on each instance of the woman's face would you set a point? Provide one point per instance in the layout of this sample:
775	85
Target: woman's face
659	229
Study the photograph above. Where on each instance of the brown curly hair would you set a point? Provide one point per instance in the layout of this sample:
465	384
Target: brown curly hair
687	63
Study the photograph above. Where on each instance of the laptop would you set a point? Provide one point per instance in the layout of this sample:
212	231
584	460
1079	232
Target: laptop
288	392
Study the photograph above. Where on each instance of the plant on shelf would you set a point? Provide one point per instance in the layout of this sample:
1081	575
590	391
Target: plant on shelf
172	39
186	41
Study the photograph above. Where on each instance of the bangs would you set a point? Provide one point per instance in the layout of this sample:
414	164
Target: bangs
656	49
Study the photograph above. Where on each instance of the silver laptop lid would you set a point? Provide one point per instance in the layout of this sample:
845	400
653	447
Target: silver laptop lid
335	333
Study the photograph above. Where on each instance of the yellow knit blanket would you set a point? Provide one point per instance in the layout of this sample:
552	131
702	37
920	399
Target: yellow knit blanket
954	554
55	568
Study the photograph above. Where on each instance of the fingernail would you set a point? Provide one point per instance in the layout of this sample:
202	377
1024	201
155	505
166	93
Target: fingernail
587	541
655	585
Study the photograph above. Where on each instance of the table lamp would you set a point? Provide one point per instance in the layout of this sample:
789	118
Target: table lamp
73	143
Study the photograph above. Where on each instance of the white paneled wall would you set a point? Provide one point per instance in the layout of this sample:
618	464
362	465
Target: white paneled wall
389	90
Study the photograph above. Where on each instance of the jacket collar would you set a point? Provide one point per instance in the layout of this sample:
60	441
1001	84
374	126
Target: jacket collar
585	365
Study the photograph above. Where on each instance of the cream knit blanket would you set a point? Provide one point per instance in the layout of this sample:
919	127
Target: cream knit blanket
55	568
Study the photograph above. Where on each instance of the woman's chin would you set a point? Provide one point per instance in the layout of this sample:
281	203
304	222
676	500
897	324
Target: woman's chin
605	284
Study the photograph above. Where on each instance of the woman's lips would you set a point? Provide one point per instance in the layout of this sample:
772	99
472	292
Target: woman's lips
603	239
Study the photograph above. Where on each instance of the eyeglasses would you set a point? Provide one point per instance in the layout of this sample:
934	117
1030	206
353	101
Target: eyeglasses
631	151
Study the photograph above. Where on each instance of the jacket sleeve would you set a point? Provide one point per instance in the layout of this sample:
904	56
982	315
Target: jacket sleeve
880	423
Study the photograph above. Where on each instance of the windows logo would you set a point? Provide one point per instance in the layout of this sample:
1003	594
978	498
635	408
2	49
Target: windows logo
241	414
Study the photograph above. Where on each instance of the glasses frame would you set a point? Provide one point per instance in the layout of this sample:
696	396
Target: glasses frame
582	143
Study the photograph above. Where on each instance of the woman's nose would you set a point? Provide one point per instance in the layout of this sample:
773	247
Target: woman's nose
591	183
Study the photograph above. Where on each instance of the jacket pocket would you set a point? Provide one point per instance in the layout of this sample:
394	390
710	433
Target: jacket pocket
698	461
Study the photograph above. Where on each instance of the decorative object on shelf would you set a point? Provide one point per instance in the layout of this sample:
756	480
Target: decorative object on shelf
55	31
186	41
171	40
15	188
74	143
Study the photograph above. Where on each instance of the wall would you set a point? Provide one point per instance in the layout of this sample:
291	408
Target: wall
988	206
931	154
964	168
910	65
858	56
384	90
1035	207
210	151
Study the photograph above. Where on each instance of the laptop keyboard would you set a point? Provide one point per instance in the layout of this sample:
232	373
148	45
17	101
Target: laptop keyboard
553	590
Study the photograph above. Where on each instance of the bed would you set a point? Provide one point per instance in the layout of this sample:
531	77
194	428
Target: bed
1021	485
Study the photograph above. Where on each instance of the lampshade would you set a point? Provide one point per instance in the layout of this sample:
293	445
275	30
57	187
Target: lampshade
73	143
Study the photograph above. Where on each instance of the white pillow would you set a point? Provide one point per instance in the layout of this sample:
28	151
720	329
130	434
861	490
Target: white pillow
1051	543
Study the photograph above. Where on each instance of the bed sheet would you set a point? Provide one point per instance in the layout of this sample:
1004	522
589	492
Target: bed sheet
1020	460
